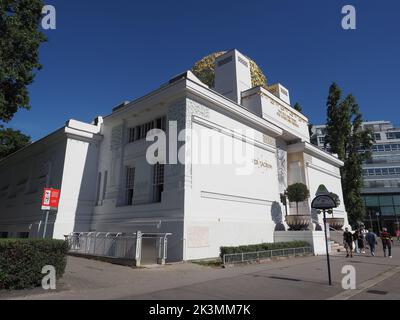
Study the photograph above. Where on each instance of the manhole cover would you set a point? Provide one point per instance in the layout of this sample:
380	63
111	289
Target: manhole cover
283	278
382	293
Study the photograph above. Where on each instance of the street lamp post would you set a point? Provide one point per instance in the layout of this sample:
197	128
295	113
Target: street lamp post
327	249
323	201
378	217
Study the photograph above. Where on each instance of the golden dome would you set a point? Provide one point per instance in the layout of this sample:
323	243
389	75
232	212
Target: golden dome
204	69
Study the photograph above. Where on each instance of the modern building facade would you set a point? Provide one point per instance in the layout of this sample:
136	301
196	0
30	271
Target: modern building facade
108	183
381	192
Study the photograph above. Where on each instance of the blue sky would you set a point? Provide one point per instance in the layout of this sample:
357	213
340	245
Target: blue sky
106	52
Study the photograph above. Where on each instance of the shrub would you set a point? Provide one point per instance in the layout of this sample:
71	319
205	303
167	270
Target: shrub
263	247
22	260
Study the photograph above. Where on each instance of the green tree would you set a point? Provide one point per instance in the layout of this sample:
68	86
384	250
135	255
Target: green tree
352	144
20	38
297	192
11	141
297	107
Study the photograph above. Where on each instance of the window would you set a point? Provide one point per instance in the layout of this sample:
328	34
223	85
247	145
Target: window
158	182
377	136
381	148
129	187
371	201
103	196
3	235
140	132
393	135
131	135
321	140
386	200
371	172
388	147
98	189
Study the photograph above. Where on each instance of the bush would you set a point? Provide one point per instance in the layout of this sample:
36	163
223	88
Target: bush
263	247
22	260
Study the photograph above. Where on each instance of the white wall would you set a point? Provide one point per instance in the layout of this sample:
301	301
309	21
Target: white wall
320	172
78	188
111	214
223	208
23	176
316	239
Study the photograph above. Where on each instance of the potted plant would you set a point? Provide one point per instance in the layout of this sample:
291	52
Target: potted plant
335	223
298	192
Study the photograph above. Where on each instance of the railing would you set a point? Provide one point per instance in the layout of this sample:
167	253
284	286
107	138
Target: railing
233	258
113	245
129	246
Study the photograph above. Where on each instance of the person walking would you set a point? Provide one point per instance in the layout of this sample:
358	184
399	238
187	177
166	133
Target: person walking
386	238
355	240
348	242
370	238
361	241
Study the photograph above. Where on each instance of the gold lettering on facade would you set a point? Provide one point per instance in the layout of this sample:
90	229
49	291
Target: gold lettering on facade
288	116
262	164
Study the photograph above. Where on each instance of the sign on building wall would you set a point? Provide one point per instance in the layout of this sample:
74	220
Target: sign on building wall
51	198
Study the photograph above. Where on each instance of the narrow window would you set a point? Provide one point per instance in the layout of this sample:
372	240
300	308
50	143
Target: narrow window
130	183
131	134
105	185
98	189
158	182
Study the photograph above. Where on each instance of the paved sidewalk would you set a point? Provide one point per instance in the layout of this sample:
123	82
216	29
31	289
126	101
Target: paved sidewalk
300	278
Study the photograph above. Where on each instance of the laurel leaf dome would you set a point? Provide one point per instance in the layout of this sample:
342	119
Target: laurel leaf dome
204	69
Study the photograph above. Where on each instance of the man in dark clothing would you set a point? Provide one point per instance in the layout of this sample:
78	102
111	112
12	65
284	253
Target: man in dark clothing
348	242
386	238
371	240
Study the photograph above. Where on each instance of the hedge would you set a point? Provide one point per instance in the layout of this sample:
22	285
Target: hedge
263	247
22	260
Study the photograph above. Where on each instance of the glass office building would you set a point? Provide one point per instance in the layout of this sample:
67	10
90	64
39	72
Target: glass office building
381	192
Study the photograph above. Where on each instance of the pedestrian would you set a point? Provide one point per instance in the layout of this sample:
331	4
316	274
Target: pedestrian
371	239
386	238
361	241
348	242
355	240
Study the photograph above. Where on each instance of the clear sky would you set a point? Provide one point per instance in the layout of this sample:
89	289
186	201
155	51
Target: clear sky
106	52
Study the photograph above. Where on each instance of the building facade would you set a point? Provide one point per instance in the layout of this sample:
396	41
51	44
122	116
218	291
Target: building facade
108	183
381	192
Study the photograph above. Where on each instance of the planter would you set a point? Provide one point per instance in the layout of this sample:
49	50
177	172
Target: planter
335	223
298	222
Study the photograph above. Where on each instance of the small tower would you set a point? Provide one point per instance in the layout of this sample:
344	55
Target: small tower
232	75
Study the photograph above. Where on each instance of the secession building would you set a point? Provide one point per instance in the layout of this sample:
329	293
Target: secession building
108	185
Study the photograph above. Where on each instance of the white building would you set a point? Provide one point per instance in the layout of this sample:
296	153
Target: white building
108	185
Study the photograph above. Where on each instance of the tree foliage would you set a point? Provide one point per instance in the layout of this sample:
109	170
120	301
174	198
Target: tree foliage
20	38
297	192
352	144
11	141
297	107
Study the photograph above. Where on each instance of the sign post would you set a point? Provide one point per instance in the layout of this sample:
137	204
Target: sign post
50	200
325	202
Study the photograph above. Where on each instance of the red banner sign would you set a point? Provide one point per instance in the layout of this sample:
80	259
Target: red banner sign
50	200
